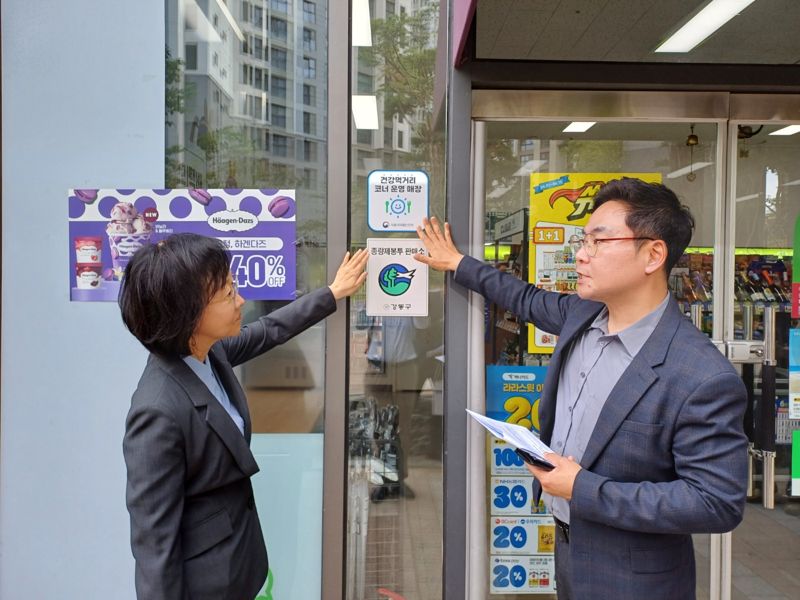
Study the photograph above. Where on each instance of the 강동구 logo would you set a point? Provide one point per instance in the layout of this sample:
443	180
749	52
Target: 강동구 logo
395	279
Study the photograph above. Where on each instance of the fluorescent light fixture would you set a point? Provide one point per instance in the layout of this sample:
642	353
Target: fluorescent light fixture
791	183
748	197
703	24
579	126
692	168
229	17
365	112
362	31
789	130
529	167
499	191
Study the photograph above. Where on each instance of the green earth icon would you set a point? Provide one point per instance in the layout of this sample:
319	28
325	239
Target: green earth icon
395	279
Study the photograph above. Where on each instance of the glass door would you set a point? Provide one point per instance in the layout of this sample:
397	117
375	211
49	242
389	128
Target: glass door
540	177
765	205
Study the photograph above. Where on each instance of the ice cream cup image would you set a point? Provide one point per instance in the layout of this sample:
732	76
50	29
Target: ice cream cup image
87	249
201	196
127	232
87	196
124	246
88	276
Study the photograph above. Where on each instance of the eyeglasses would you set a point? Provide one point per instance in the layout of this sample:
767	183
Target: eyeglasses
589	243
230	295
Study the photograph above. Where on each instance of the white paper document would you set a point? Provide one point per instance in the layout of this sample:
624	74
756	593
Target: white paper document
515	435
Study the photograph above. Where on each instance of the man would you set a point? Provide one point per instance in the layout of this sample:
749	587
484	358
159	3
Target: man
644	412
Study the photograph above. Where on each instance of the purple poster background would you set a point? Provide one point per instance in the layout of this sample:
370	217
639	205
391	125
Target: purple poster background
257	226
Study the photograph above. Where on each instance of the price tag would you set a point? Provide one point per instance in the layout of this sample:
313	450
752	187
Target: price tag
522	535
511	496
548	235
522	575
503	459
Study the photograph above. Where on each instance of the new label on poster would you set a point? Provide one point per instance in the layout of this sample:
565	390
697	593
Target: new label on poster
397	200
397	283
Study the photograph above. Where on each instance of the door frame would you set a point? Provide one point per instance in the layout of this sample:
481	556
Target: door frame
723	108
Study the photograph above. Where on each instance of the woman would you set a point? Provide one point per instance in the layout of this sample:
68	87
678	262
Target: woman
195	532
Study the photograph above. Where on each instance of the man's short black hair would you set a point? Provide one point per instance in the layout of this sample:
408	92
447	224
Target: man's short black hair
167	286
654	211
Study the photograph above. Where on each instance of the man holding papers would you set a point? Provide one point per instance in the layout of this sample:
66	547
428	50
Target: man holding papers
643	413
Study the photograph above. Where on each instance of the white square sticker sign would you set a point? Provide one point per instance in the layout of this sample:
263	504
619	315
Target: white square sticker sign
397	200
397	283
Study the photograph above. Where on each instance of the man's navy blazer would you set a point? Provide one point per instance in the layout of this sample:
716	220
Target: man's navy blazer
668	455
195	532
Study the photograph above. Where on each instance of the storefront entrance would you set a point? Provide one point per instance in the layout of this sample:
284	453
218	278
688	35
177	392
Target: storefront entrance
732	160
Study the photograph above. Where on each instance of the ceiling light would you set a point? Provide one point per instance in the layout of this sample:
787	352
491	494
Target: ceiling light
703	24
362	31
689	169
579	126
791	183
365	112
790	130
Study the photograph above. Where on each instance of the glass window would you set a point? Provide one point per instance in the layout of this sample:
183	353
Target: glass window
279	116
279	28
280	145
309	151
309	95
364	136
395	377
309	68
309	123
191	57
279	59
365	83
278	87
309	12
309	40
222	133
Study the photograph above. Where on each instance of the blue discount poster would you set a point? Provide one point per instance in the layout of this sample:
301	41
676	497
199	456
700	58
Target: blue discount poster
107	226
513	393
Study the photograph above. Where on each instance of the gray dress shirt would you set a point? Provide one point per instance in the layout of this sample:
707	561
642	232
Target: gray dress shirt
593	365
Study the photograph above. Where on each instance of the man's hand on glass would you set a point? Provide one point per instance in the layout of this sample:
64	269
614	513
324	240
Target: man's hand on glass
442	252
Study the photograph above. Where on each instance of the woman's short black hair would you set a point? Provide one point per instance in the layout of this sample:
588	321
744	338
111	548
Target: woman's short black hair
654	211
167	286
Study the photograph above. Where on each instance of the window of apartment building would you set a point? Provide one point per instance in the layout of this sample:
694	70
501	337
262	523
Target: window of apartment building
258	48
224	35
278	87
215	59
309	40
365	83
309	151
309	178
280	6
279	28
258	78
280	143
247	11
400	140
387	137
279	59
262	168
309	12
223	73
216	20
309	123
190	51
389	9
266	139
279	116
258	16
309	68
309	95
364	136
